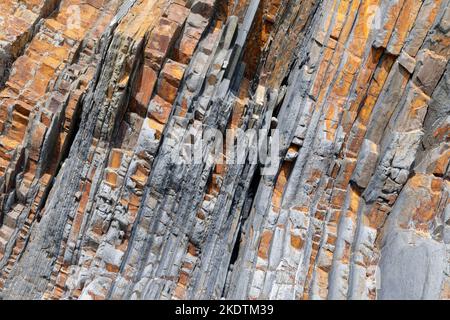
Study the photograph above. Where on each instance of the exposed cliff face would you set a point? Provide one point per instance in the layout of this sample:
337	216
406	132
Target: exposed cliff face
100	101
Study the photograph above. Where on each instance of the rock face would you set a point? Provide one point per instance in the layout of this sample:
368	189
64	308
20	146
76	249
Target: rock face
100	101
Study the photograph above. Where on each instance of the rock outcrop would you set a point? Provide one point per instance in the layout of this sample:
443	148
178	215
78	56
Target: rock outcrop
102	103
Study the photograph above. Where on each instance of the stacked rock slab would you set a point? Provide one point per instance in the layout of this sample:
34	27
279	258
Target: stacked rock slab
101	99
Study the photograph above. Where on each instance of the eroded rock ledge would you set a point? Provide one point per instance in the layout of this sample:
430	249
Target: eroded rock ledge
99	98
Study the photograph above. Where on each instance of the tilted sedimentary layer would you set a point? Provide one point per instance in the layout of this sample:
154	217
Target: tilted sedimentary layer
100	101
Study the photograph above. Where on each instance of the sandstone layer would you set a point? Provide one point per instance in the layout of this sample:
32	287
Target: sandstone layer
100	101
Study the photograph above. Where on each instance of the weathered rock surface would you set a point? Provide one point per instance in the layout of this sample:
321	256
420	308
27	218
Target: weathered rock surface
99	103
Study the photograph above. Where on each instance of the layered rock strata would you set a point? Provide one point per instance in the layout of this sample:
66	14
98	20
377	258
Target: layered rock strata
101	102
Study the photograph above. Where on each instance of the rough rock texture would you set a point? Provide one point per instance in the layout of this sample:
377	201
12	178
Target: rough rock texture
99	100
